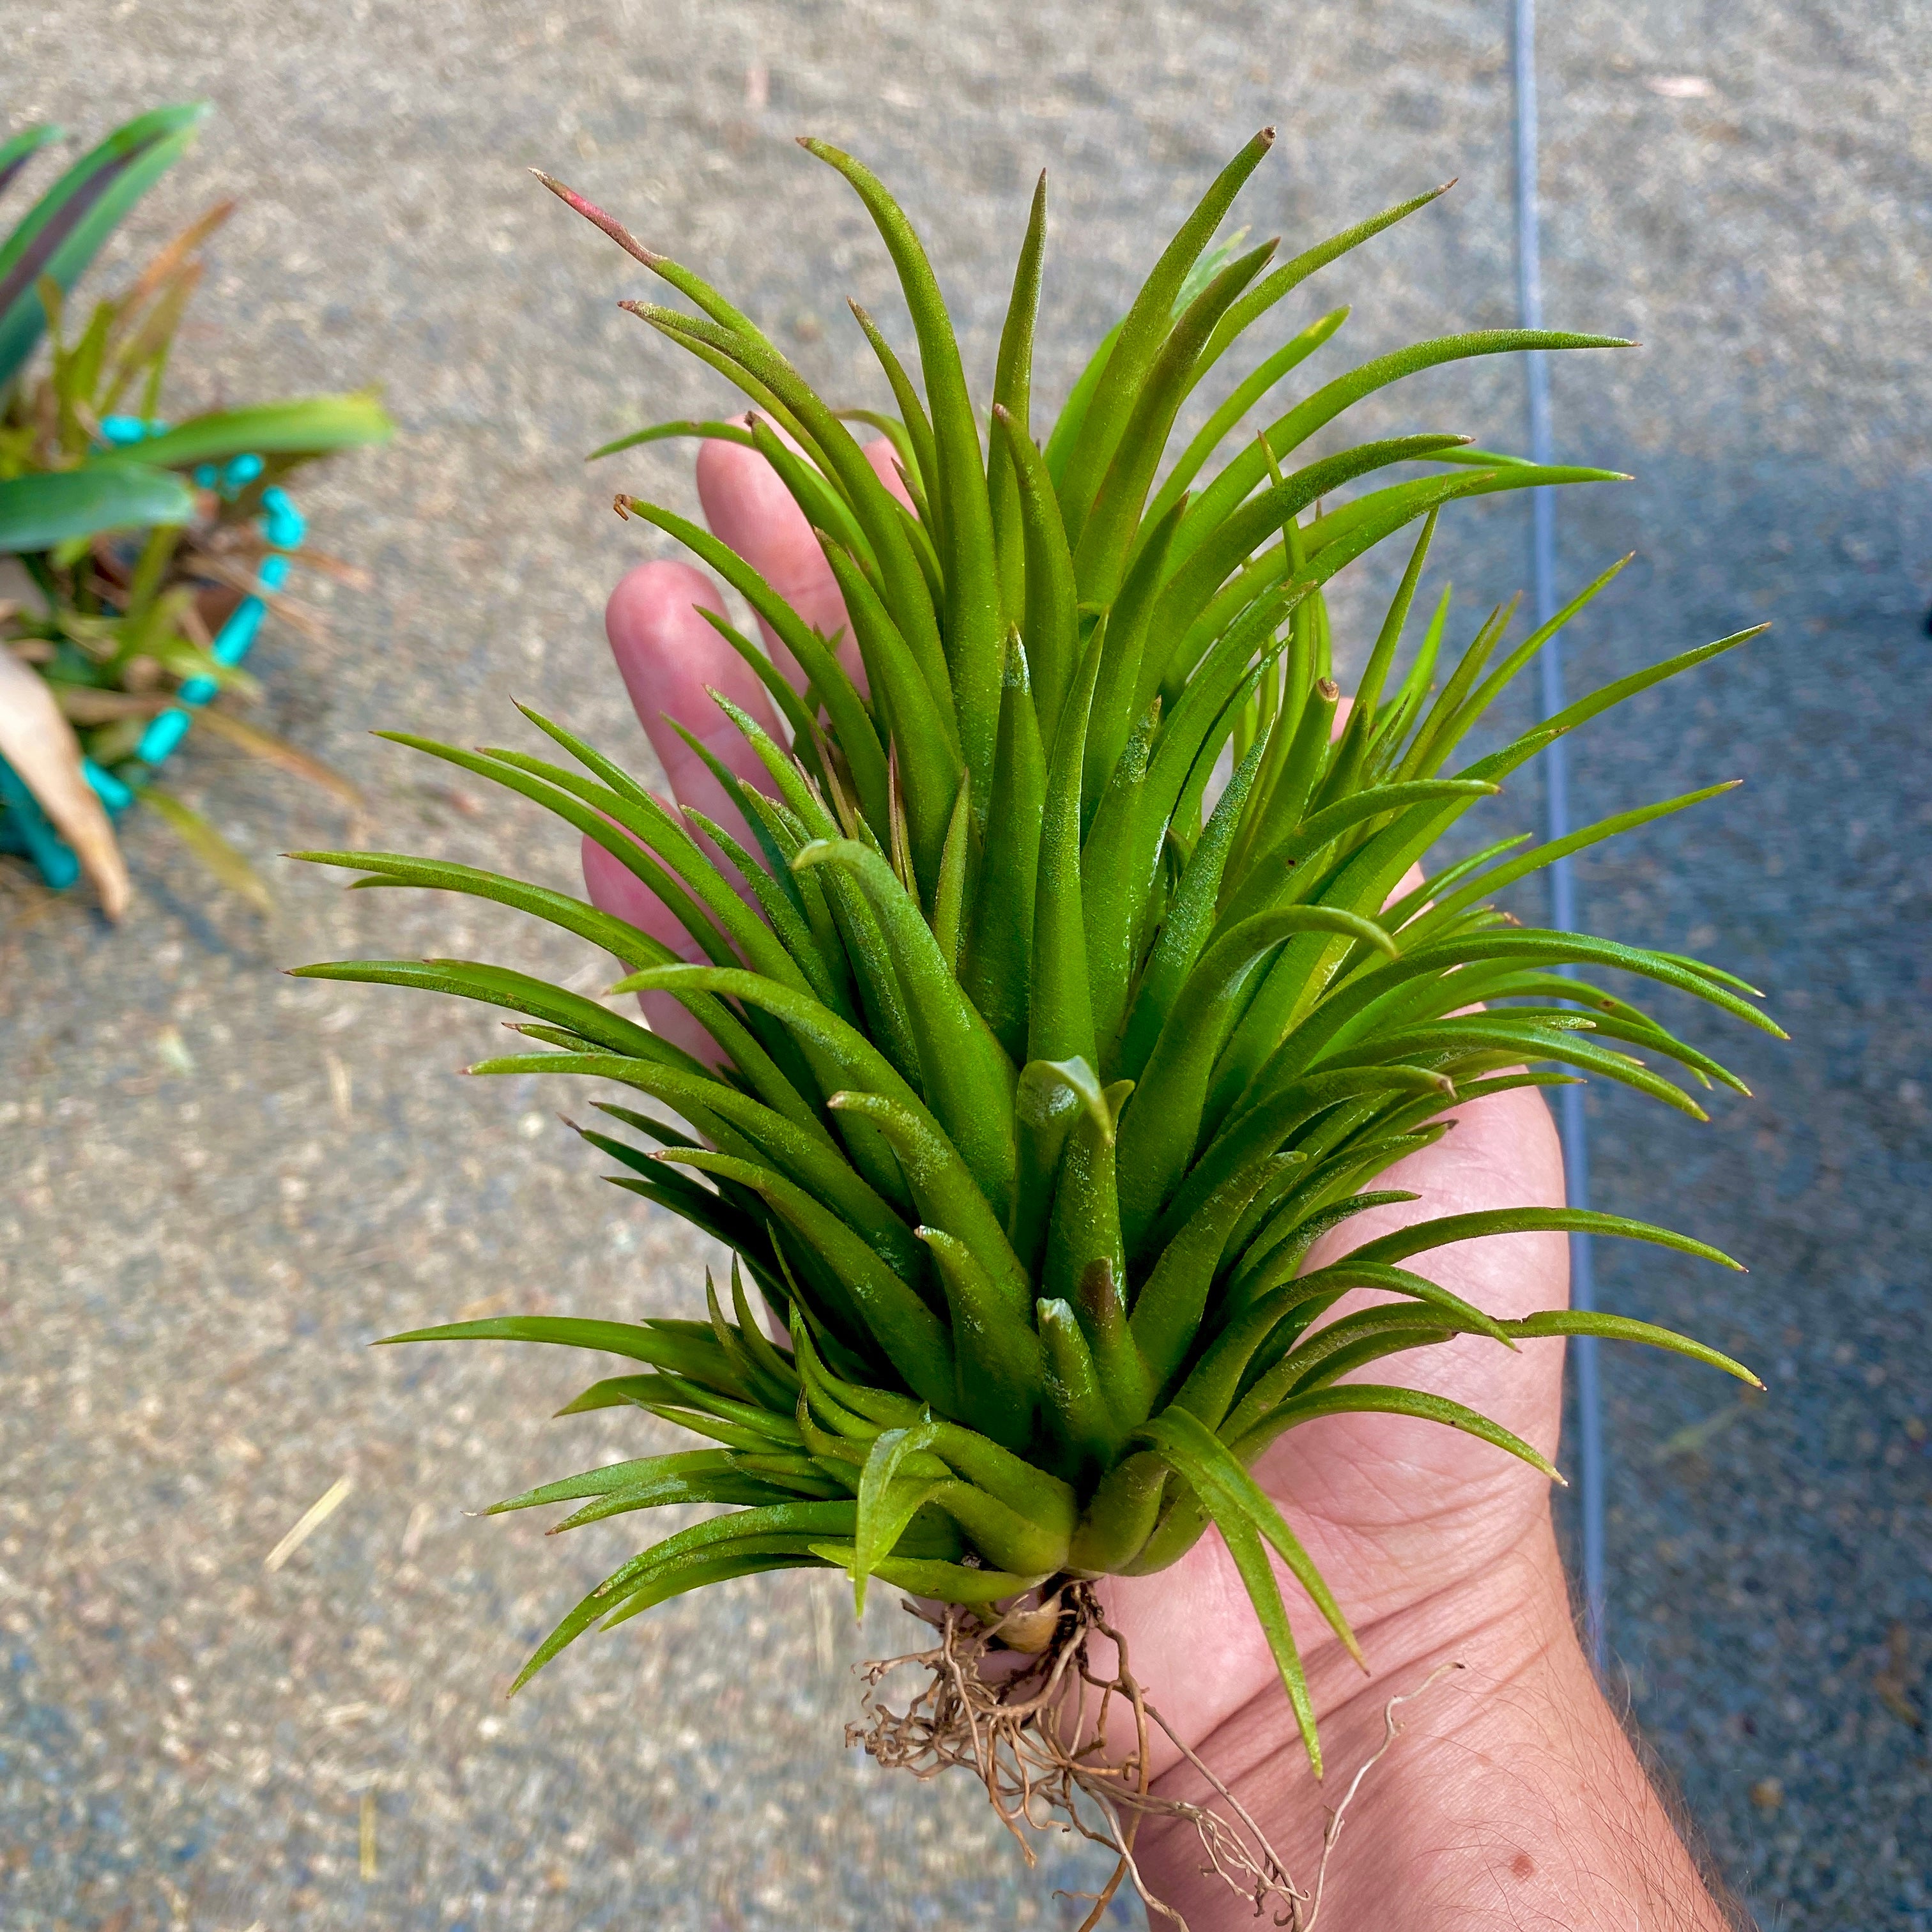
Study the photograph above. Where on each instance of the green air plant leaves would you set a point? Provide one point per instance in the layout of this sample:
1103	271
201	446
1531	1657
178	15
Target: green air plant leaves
1078	994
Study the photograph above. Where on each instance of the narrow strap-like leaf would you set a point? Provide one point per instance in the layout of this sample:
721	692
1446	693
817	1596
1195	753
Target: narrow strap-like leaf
905	1329
1141	332
1086	1435
949	897
1373	1399
617	937
797	1520
1293	273
1245	1514
1086	1263
1424	1235
974	631
1621	1328
672	1579
996	1353
811	1159
1115	1525
1007	1538
819	501
624	849
683	1352
1059	1020
863	1065
1107	531
1168	1311
1049	1098
885	1506
924	740
1050	625
1288	432
917	425
782	904
942	1184
1213	432
1198	569
857	738
518	992
1190	921
1013	386
61	233
933	1577
880	513
967	1078
1117	904
1158	1131
613	1477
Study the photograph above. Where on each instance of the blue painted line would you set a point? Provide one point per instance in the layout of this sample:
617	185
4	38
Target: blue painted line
1570	1121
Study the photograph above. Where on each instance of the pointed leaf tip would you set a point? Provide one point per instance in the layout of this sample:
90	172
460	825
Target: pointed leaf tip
596	216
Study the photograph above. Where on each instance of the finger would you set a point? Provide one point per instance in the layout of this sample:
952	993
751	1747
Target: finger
749	507
671	660
614	888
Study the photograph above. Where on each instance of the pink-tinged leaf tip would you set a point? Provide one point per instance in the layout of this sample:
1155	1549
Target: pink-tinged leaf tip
592	213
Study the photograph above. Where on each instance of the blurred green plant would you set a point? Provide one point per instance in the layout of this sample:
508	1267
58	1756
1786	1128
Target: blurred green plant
127	547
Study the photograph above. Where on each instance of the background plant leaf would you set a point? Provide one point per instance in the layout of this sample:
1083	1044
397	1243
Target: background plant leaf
226	864
39	511
65	228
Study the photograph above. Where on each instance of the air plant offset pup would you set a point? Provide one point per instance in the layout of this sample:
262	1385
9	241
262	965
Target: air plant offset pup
1045	1065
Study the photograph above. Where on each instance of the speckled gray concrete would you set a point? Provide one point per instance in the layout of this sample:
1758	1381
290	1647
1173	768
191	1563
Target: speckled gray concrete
197	1240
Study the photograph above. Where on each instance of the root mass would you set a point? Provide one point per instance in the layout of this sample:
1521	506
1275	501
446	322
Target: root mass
1019	1702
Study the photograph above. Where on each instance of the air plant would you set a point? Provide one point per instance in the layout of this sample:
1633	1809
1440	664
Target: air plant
1066	989
137	557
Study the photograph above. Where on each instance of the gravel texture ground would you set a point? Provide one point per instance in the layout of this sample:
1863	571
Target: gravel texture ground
221	1184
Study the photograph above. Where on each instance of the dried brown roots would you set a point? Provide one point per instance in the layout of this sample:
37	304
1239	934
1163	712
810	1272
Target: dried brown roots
1033	1730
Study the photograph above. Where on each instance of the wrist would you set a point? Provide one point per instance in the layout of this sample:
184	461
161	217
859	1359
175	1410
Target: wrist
1511	1793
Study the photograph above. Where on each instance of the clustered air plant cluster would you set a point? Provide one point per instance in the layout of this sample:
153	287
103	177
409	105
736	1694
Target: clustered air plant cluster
127	544
1045	1062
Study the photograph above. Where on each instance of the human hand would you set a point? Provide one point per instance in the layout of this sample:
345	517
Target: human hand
1438	1546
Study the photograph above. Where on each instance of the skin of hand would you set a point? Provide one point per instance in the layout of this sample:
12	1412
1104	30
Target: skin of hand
1512	1797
